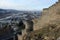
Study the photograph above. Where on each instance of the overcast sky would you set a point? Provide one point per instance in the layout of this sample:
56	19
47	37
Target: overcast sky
26	4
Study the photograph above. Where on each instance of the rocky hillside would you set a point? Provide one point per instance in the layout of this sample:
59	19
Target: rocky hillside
47	33
48	26
50	15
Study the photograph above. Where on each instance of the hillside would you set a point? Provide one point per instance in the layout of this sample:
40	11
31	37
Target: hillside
50	15
48	26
